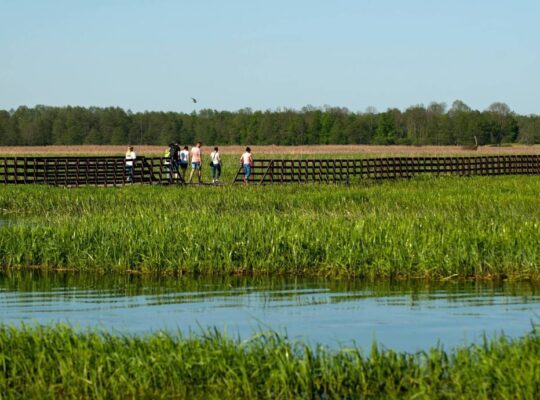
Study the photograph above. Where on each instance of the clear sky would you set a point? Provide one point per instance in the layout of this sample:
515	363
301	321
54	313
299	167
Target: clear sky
231	54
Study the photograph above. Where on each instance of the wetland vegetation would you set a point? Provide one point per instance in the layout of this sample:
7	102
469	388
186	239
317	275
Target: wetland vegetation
481	227
427	227
57	361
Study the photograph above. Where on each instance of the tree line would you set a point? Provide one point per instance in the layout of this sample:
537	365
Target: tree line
418	125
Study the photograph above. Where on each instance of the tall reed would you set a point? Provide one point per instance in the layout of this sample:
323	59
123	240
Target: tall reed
59	362
425	227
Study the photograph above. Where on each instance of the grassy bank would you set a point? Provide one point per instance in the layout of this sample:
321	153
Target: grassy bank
52	362
427	227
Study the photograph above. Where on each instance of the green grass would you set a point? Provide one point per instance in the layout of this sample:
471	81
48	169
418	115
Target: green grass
59	362
426	227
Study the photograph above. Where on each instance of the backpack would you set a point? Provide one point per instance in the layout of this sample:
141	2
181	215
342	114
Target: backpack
173	152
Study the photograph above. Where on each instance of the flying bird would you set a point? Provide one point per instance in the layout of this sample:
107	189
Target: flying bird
194	99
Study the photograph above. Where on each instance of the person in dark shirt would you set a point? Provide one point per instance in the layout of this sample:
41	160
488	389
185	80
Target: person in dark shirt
174	157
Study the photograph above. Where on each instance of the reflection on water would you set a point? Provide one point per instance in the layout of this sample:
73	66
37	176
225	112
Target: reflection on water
400	315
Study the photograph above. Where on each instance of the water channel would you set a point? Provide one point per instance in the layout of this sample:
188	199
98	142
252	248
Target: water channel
405	316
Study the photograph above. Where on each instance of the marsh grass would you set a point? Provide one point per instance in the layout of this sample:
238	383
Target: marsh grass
60	362
426	227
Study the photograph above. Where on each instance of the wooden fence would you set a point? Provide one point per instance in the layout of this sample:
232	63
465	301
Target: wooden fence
345	170
81	171
111	171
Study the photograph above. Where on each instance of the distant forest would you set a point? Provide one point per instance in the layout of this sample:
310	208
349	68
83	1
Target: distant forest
418	125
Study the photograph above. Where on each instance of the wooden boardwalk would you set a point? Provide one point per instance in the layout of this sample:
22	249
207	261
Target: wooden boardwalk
346	170
84	171
111	171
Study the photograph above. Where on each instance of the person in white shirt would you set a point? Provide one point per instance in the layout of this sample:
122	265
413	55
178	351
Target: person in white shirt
247	163
216	165
184	161
130	158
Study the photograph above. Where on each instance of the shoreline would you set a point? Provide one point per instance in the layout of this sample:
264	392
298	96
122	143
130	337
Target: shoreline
315	274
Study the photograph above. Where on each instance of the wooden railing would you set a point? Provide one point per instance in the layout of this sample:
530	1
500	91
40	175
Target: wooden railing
81	171
344	170
111	171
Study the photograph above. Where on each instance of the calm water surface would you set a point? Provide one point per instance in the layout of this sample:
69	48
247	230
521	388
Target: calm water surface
403	316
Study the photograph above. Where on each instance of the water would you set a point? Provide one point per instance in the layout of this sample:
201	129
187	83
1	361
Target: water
6	222
404	316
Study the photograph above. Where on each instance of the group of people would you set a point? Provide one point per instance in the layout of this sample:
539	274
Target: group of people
177	162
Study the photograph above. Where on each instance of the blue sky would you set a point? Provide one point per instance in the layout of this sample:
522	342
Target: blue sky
155	55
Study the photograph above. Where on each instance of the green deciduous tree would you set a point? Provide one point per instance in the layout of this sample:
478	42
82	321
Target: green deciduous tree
43	125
